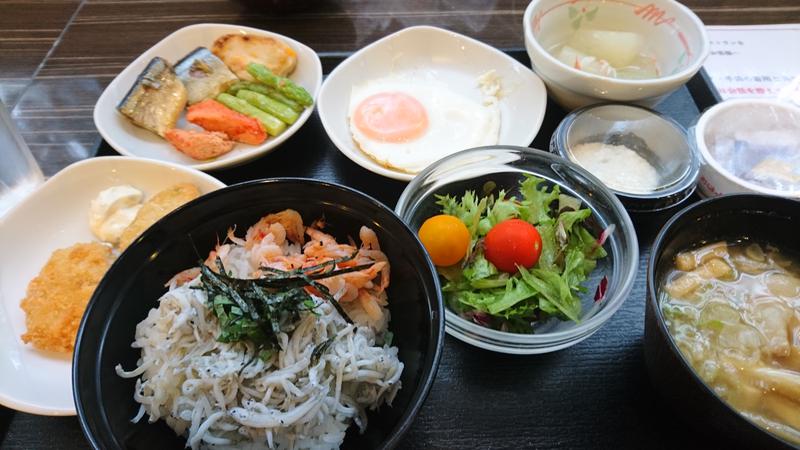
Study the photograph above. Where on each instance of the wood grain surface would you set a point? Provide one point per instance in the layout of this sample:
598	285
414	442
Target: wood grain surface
56	57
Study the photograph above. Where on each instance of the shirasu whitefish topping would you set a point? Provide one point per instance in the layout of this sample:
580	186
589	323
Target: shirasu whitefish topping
322	374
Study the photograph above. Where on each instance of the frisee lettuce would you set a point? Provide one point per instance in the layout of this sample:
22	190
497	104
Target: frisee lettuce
550	288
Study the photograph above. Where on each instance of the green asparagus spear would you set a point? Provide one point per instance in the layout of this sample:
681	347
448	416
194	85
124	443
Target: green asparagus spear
269	105
283	85
265	90
272	124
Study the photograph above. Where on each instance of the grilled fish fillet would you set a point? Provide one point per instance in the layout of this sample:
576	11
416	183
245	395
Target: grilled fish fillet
156	100
204	75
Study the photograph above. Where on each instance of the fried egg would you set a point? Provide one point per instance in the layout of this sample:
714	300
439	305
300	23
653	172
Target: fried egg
406	124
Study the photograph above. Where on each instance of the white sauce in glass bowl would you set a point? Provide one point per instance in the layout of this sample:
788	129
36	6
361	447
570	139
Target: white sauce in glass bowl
618	167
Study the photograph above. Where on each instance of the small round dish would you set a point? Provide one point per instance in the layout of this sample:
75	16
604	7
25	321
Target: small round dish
749	145
676	36
504	166
55	216
105	401
131	140
660	143
428	55
760	218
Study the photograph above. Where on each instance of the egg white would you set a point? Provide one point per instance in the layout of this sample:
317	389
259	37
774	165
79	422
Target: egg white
455	122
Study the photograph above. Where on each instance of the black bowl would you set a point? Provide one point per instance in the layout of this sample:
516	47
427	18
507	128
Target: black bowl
761	218
134	283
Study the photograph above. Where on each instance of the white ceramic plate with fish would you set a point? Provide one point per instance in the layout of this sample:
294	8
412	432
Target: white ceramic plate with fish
131	140
56	216
430	53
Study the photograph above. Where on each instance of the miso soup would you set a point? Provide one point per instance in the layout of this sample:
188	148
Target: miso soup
734	312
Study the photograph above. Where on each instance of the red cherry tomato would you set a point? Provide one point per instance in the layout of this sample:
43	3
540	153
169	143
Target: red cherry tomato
513	242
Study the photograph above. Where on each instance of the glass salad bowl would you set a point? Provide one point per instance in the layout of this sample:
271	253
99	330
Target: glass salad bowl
490	169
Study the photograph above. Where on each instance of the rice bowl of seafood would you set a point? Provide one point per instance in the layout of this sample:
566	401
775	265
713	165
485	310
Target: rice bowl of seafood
282	334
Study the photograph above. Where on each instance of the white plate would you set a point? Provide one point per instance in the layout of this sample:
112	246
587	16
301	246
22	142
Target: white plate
128	139
448	56
56	216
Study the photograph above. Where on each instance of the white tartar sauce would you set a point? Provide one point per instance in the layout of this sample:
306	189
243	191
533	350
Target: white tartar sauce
113	210
618	167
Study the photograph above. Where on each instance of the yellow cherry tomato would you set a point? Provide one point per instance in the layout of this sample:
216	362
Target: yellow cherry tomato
446	239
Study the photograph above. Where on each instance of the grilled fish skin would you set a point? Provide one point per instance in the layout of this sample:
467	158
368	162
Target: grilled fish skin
156	99
204	75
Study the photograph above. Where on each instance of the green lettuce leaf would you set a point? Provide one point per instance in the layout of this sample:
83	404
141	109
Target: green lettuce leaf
570	218
535	201
552	286
469	209
497	211
479	268
547	231
476	299
516	291
555	289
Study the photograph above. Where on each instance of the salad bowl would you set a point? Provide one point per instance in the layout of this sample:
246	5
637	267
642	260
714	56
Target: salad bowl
496	168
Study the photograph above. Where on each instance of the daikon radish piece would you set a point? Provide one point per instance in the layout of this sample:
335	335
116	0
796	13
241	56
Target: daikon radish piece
582	61
619	48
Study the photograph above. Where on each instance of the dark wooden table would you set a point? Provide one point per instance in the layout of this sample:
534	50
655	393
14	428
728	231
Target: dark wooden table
57	56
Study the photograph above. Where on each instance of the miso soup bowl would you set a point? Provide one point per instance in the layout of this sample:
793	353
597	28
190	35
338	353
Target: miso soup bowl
674	33
759	217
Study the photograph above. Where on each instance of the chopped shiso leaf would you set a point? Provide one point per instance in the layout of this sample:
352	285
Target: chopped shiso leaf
256	310
481	293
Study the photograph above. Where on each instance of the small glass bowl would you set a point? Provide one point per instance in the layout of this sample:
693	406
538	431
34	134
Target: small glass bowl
655	137
502	167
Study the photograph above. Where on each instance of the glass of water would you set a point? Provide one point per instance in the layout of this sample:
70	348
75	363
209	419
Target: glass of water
19	173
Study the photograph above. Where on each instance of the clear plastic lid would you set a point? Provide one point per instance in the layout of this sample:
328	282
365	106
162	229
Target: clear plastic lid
641	155
757	142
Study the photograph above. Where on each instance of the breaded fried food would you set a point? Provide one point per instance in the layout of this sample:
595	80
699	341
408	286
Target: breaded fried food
237	51
57	297
158	206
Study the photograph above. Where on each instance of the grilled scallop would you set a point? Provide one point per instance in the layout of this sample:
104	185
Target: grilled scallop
237	51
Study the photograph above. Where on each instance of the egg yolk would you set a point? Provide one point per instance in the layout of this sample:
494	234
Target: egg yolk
391	117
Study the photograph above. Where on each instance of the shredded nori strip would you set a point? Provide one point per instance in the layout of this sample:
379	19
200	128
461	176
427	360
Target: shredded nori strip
321	348
258	309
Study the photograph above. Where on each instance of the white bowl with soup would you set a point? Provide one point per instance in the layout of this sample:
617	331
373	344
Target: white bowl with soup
749	145
588	51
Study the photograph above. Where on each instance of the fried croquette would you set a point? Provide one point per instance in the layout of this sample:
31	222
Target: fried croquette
57	297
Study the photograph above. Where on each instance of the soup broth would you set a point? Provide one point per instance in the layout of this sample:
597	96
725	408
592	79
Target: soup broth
734	312
616	54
